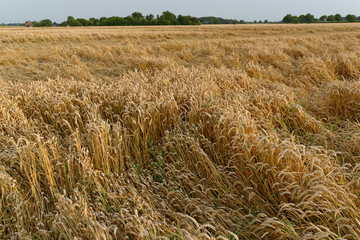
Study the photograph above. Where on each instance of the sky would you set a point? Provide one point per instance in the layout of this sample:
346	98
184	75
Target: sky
18	11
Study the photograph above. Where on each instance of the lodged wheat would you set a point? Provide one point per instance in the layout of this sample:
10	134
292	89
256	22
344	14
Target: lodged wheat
206	132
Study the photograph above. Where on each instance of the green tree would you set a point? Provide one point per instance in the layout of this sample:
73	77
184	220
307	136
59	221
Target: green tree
331	18
150	17
295	19
168	18
217	21
323	18
45	23
338	17
113	21
102	21
137	15
71	21
83	21
266	21
242	21
302	18
36	24
154	21
195	21
93	21
309	18
138	19
351	18
184	20
287	18
133	21
123	22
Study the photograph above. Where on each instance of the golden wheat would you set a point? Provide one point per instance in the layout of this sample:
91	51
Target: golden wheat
201	132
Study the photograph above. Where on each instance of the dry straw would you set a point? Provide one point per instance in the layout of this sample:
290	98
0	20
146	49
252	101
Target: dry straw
207	132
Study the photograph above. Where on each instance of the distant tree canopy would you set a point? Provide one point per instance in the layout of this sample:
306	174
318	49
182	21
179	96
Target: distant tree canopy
331	18
45	23
71	21
309	18
135	19
338	17
188	20
295	19
323	18
217	20
351	18
288	18
168	18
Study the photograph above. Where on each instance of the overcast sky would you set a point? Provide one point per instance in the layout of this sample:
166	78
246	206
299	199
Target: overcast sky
249	10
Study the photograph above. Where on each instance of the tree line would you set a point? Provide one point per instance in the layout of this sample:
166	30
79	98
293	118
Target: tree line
168	18
135	19
309	18
218	20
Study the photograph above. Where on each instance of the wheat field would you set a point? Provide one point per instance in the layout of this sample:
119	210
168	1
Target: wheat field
205	132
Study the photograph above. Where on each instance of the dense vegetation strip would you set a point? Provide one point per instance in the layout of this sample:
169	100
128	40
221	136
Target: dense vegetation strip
168	18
